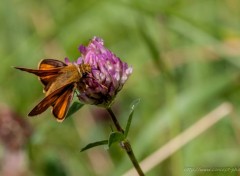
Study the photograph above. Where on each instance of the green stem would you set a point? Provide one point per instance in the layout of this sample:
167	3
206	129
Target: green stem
126	144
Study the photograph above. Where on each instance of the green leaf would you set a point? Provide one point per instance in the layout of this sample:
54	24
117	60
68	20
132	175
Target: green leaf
115	137
94	144
74	108
133	106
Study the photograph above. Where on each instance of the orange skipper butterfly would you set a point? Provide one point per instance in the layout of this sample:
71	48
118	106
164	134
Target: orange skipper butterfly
60	81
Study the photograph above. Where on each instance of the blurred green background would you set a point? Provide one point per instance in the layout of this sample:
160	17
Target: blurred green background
185	55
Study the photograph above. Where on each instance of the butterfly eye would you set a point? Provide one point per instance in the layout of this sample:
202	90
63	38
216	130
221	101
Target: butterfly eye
85	74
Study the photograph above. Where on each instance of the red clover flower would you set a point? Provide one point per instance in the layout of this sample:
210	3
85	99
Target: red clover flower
108	74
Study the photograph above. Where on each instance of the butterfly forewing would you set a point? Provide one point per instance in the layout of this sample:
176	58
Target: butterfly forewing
40	73
45	76
47	64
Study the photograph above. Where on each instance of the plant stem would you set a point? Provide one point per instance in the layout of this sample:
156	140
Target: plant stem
126	144
115	121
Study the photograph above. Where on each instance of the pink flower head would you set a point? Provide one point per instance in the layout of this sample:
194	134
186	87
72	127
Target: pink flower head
108	74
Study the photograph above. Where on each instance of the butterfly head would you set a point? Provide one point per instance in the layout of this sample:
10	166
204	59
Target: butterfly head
85	69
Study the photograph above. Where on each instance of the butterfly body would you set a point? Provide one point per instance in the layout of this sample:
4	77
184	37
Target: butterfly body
67	74
60	81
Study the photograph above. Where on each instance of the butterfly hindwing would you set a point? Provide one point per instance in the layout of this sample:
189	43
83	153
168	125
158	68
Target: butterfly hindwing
56	99
62	104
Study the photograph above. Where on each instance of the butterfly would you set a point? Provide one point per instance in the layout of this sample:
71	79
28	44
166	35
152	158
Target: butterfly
60	81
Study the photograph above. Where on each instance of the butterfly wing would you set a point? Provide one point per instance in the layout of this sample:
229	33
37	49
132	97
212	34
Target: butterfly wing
49	64
40	73
45	76
60	99
62	104
49	70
